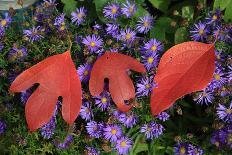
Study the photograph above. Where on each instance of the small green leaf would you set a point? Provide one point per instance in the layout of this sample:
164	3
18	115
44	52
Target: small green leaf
140	11
222	4
228	12
99	8
162	5
158	32
165	22
69	6
188	12
181	35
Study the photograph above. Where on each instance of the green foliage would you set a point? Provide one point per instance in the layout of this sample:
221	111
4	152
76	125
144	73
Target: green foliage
69	6
224	5
162	5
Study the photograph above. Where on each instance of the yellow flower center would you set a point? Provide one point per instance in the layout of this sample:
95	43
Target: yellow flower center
217	77
114	10
182	150
104	100
228	111
148	86
123	144
150	60
113	131
20	53
131	9
215	17
217	144
3	22
79	15
145	24
204	94
154	47
229	138
92	44
86	72
201	31
62	28
128	36
87	110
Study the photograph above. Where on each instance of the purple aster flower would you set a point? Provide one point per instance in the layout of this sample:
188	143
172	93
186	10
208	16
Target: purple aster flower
163	116
12	76
204	97
220	33
97	27
64	145
181	149
91	151
128	35
129	8
144	24
93	42
150	61
2	127
219	78
103	101
229	73
48	129
129	119
94	129
123	145
152	130
219	138
1	45
60	22
199	32
2	31
5	22
214	17
17	54
112	132
84	72
225	113
145	86
25	95
78	16
194	150
33	34
112	10
228	130
152	47
86	111
112	29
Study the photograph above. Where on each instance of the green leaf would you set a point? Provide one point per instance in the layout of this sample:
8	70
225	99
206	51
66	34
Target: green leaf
162	5
138	146
188	12
99	8
69	6
165	22
222	4
158	32
228	12
140	11
181	35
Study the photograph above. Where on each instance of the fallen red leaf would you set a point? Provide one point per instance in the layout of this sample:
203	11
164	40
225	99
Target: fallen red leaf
184	68
114	66
57	76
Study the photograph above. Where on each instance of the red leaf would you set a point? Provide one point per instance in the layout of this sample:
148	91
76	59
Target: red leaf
183	69
114	66
57	77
